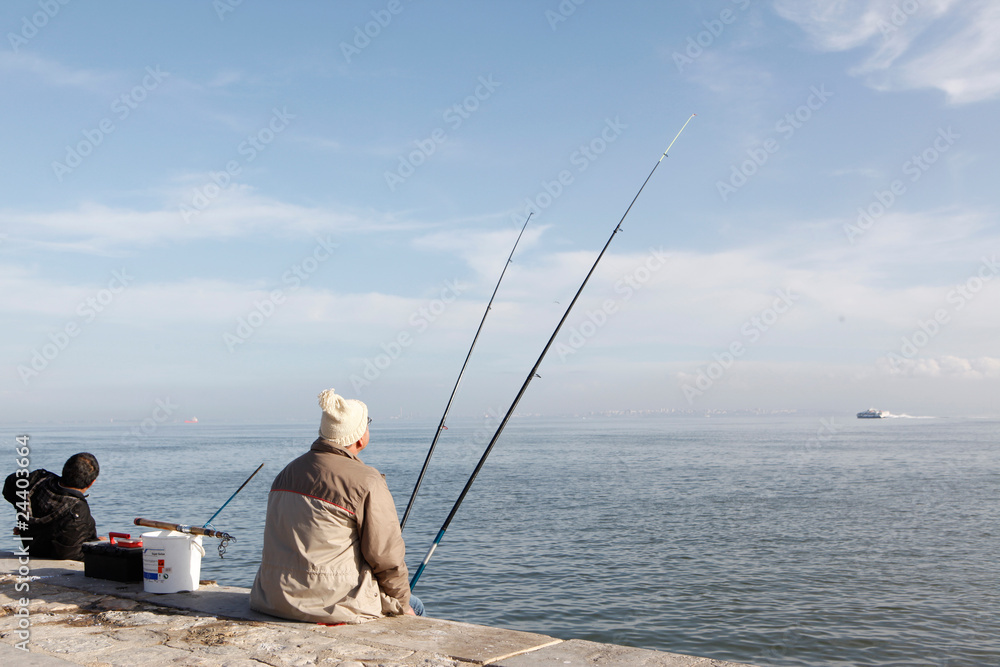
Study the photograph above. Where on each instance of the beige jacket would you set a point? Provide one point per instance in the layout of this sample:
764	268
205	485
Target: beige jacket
333	552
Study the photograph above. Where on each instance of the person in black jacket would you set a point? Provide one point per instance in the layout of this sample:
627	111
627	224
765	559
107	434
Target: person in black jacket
53	510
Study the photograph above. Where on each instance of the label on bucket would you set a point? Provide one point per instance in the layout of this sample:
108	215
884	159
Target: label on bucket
153	564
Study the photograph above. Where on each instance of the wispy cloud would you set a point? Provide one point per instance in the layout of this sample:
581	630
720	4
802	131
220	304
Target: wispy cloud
319	143
225	78
852	305
945	44
865	172
947	366
484	252
94	228
53	73
731	76
965	65
902	271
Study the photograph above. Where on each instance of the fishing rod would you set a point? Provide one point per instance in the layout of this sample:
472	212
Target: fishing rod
189	530
441	426
534	369
182	528
209	522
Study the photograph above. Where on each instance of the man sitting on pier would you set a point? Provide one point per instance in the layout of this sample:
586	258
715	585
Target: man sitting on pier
333	552
53	517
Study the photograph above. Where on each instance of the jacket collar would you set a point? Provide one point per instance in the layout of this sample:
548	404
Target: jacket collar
76	493
324	445
56	488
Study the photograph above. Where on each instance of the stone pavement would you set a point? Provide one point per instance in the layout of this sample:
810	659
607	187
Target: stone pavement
76	620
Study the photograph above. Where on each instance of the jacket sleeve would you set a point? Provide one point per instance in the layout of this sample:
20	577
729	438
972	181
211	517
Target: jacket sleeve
10	489
382	543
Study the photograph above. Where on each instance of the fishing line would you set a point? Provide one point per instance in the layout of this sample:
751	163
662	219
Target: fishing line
441	426
532	373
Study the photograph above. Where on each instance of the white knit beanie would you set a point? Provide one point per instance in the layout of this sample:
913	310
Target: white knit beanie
344	420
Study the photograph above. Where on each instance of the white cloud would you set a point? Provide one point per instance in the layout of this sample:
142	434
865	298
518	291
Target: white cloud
319	143
943	367
965	65
225	78
945	44
864	172
484	252
834	26
853	303
731	76
860	297
52	72
236	211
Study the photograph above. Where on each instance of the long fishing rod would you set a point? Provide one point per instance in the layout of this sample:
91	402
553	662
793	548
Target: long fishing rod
182	528
534	370
209	522
225	538
441	426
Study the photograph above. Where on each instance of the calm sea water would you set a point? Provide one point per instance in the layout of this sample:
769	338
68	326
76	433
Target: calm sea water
776	541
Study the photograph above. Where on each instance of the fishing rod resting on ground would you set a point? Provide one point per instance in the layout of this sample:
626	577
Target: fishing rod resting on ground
441	426
534	369
188	530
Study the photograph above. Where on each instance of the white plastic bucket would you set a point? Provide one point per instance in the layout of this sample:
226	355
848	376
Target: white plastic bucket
171	561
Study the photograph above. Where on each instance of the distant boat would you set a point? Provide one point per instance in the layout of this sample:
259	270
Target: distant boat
193	420
870	413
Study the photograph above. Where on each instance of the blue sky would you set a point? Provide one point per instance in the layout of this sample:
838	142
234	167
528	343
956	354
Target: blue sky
232	206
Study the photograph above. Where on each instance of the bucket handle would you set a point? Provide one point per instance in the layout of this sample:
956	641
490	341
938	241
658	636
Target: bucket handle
197	546
112	536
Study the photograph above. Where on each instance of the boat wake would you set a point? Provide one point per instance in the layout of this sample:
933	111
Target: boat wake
889	415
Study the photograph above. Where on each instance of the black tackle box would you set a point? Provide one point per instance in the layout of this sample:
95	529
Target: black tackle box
118	559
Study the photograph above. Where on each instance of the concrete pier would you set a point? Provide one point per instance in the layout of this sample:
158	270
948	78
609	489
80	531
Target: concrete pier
77	620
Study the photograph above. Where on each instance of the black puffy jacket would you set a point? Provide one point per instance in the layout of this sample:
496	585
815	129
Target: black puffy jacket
59	519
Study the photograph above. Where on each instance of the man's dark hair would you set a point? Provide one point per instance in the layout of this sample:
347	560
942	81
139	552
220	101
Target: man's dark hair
80	471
